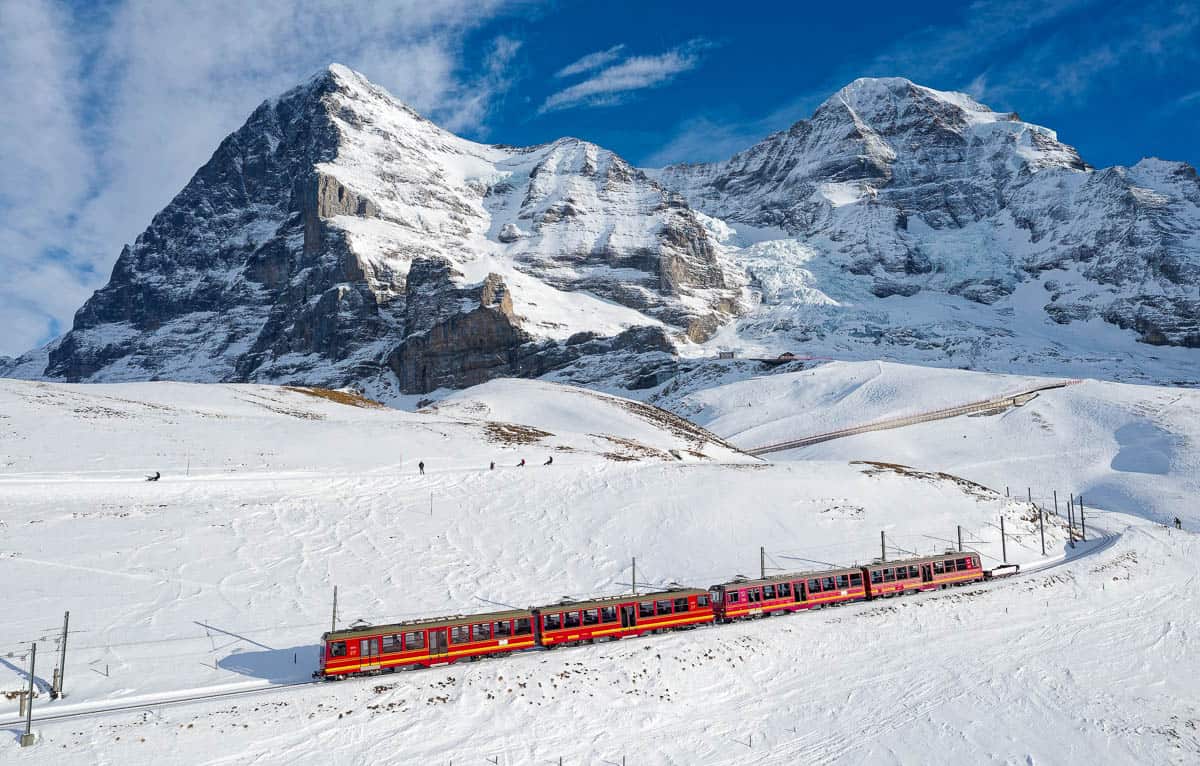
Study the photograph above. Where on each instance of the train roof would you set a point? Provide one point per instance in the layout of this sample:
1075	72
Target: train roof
788	577
596	603
428	622
922	559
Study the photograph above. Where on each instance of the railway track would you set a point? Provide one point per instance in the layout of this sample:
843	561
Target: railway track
997	403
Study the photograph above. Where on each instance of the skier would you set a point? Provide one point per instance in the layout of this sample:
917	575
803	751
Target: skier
1178	523
549	460
158	476
492	466
421	467
521	464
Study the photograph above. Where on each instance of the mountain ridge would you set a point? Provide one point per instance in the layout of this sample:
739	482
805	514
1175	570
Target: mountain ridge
340	238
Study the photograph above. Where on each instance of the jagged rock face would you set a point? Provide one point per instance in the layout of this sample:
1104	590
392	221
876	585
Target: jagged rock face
287	256
902	189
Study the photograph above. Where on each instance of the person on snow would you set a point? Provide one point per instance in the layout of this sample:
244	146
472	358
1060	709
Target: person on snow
549	460
158	476
1178	523
521	464
492	466
421	467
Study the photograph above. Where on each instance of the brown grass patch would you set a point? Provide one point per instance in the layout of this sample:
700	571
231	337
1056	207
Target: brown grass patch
340	397
511	433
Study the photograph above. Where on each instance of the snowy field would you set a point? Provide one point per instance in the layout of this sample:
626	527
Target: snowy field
219	576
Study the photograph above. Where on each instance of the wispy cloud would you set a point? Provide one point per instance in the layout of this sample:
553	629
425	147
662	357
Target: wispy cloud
591	61
108	112
612	84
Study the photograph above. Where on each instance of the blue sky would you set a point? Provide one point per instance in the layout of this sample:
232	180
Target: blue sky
112	105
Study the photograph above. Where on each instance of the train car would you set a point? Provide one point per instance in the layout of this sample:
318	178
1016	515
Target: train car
891	578
615	617
741	599
436	641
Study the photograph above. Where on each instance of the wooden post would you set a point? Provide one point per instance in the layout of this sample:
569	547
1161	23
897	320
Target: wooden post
960	538
762	562
882	545
635	575
333	624
27	737
1003	542
1056	502
1042	527
1082	523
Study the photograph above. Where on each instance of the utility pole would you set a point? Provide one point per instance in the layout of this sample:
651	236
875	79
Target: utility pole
1082	523
1003	542
1056	502
762	562
27	737
56	690
333	624
1029	494
431	504
635	575
882	545
1042	527
960	538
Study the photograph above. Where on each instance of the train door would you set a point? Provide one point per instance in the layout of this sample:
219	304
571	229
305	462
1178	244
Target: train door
368	651
628	616
437	642
927	573
798	591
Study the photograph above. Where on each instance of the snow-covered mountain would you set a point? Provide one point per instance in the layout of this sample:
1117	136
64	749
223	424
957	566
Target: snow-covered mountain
339	238
905	217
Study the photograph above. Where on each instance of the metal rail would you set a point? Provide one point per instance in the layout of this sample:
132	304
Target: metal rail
986	405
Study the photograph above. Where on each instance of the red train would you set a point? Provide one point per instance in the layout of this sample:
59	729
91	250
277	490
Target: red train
442	640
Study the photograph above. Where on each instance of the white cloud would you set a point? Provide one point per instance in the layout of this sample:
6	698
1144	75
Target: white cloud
591	61
106	117
613	83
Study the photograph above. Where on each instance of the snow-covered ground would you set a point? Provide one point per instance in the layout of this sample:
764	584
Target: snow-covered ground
219	577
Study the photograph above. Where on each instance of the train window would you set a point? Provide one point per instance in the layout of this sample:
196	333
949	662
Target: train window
551	621
939	567
856	580
768	591
702	599
876	576
755	595
571	620
591	616
608	614
681	605
523	627
733	596
889	575
337	649
664	607
843	582
912	570
460	634
391	643
481	632
963	565
785	590
949	563
415	640
814	586
827	583
502	629
646	609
